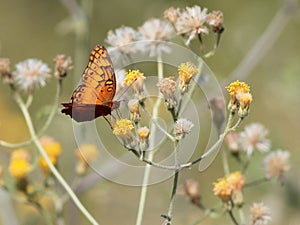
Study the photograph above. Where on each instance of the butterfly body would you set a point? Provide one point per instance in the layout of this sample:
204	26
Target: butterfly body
94	96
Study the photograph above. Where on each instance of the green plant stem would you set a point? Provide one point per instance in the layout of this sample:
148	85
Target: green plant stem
232	217
53	109
49	163
142	201
256	182
174	188
173	196
29	100
45	214
212	148
225	162
242	216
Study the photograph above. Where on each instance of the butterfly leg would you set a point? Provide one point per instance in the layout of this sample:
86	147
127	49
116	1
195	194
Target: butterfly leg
108	122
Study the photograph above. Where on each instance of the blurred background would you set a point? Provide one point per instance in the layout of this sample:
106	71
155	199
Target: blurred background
42	29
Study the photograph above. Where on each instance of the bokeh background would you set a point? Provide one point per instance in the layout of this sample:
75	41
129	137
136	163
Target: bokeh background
41	29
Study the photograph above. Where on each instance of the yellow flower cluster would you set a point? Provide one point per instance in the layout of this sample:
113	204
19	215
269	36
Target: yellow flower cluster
240	98
132	76
19	165
237	87
225	187
122	128
135	80
53	150
186	71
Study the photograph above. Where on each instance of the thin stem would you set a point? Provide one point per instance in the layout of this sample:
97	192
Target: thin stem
29	100
232	217
225	162
242	216
147	171
53	109
160	127
46	125
175	185
206	214
256	182
173	196
49	163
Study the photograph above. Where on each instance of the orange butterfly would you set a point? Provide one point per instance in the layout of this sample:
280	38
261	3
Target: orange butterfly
94	96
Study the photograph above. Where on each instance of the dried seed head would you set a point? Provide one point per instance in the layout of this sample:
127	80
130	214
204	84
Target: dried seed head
63	64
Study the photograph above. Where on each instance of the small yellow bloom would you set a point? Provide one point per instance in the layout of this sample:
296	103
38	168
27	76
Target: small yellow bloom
135	79
222	189
133	106
237	87
244	100
237	180
143	133
123	127
51	147
240	97
44	164
228	185
19	168
186	71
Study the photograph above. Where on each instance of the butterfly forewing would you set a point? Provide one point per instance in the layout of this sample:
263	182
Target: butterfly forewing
99	75
94	96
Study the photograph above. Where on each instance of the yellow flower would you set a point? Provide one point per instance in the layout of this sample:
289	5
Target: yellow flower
244	100
237	180
123	129
44	164
53	150
133	105
135	79
143	133
222	189
186	71
19	168
237	87
228	185
240	97
51	147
